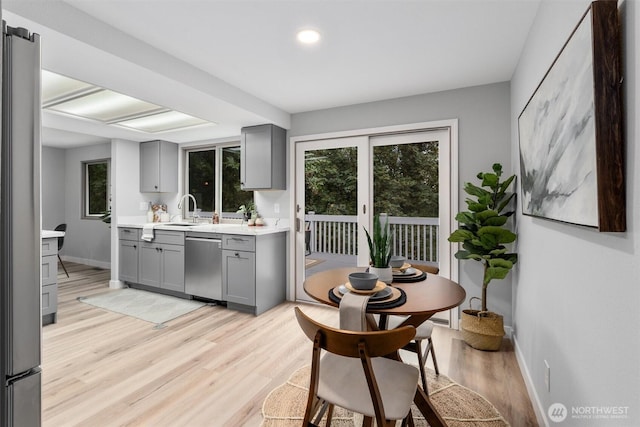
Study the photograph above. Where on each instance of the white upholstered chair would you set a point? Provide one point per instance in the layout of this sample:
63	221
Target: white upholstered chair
353	374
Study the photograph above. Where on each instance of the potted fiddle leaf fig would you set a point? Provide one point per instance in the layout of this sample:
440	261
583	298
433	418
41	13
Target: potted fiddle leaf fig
380	250
483	234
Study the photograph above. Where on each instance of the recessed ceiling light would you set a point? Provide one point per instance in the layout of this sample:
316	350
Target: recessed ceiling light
308	36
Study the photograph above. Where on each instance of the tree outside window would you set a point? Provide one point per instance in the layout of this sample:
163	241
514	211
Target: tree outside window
95	189
213	178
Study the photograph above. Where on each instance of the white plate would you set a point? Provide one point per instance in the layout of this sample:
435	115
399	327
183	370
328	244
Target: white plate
408	272
387	291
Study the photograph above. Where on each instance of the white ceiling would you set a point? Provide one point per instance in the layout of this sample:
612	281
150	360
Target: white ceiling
238	63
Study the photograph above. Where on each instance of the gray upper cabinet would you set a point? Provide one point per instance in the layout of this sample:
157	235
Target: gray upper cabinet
262	158
158	167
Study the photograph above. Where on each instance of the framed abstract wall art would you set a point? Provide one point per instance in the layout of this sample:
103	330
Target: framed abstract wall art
570	131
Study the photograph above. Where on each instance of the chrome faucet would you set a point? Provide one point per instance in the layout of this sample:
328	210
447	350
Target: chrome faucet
194	218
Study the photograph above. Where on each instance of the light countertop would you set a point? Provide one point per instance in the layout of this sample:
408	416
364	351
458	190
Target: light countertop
48	234
213	228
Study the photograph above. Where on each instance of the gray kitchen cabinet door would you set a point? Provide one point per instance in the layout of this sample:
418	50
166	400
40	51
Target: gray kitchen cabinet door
262	158
239	277
49	269
158	167
128	264
49	299
172	267
149	259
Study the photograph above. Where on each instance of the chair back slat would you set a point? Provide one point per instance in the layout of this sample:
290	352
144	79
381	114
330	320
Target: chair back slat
345	343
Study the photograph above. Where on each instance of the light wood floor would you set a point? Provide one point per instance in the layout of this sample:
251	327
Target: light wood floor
212	367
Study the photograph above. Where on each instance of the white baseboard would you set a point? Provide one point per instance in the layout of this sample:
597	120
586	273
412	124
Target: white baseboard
540	412
91	262
508	330
116	284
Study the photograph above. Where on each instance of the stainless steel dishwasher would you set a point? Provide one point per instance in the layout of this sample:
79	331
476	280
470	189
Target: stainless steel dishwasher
203	265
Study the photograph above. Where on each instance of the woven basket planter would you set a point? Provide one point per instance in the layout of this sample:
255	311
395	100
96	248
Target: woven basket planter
482	330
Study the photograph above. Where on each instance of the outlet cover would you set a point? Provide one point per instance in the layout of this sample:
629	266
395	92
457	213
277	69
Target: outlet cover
276	208
547	375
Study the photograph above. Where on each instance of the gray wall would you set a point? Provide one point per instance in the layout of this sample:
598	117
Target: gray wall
484	138
87	240
577	293
53	190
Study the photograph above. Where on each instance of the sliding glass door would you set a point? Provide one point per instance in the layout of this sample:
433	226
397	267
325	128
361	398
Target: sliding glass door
404	176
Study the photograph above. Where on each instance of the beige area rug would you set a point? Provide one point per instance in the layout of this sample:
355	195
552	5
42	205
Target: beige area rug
149	306
458	405
310	262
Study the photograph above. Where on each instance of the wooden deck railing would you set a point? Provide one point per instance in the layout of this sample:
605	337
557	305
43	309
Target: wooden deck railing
414	238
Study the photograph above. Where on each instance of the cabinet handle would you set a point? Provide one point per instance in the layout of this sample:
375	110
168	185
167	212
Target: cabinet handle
237	255
126	231
135	247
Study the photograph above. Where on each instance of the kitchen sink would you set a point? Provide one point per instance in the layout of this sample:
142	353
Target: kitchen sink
181	224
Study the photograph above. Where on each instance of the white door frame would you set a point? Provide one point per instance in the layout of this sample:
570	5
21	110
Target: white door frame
446	249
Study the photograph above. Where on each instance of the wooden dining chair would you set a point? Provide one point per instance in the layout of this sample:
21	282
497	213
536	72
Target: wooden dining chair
353	374
423	333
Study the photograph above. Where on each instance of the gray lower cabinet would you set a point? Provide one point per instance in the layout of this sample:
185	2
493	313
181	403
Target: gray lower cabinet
253	271
49	280
128	254
239	269
161	266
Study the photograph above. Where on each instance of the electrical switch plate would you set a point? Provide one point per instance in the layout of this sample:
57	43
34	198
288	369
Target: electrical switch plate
547	375
276	208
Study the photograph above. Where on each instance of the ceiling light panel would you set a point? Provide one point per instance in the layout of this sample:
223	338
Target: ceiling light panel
56	87
163	122
106	106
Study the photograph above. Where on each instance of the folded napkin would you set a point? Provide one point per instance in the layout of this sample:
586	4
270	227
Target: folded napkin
353	310
147	232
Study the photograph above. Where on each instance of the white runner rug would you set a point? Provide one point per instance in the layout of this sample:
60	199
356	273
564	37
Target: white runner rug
149	306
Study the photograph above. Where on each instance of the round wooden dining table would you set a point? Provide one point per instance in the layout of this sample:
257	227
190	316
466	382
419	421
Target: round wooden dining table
423	299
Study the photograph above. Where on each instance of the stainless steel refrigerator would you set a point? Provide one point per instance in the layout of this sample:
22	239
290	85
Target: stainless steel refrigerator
20	247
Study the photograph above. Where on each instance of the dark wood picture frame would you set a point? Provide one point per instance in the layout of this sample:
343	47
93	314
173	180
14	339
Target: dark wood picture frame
571	130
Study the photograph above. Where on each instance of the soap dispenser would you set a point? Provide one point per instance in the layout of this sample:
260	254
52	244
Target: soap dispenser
150	214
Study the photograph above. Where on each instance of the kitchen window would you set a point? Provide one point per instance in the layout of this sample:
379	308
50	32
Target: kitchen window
213	177
95	191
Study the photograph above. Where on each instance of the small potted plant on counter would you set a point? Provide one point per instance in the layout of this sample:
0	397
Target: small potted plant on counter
247	211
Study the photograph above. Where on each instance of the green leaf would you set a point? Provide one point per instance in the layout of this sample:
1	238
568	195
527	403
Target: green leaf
466	218
495	273
490	180
461	236
501	235
505	202
475	206
489	241
511	257
497	252
505	184
497	168
473	190
500	262
484	215
496	221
